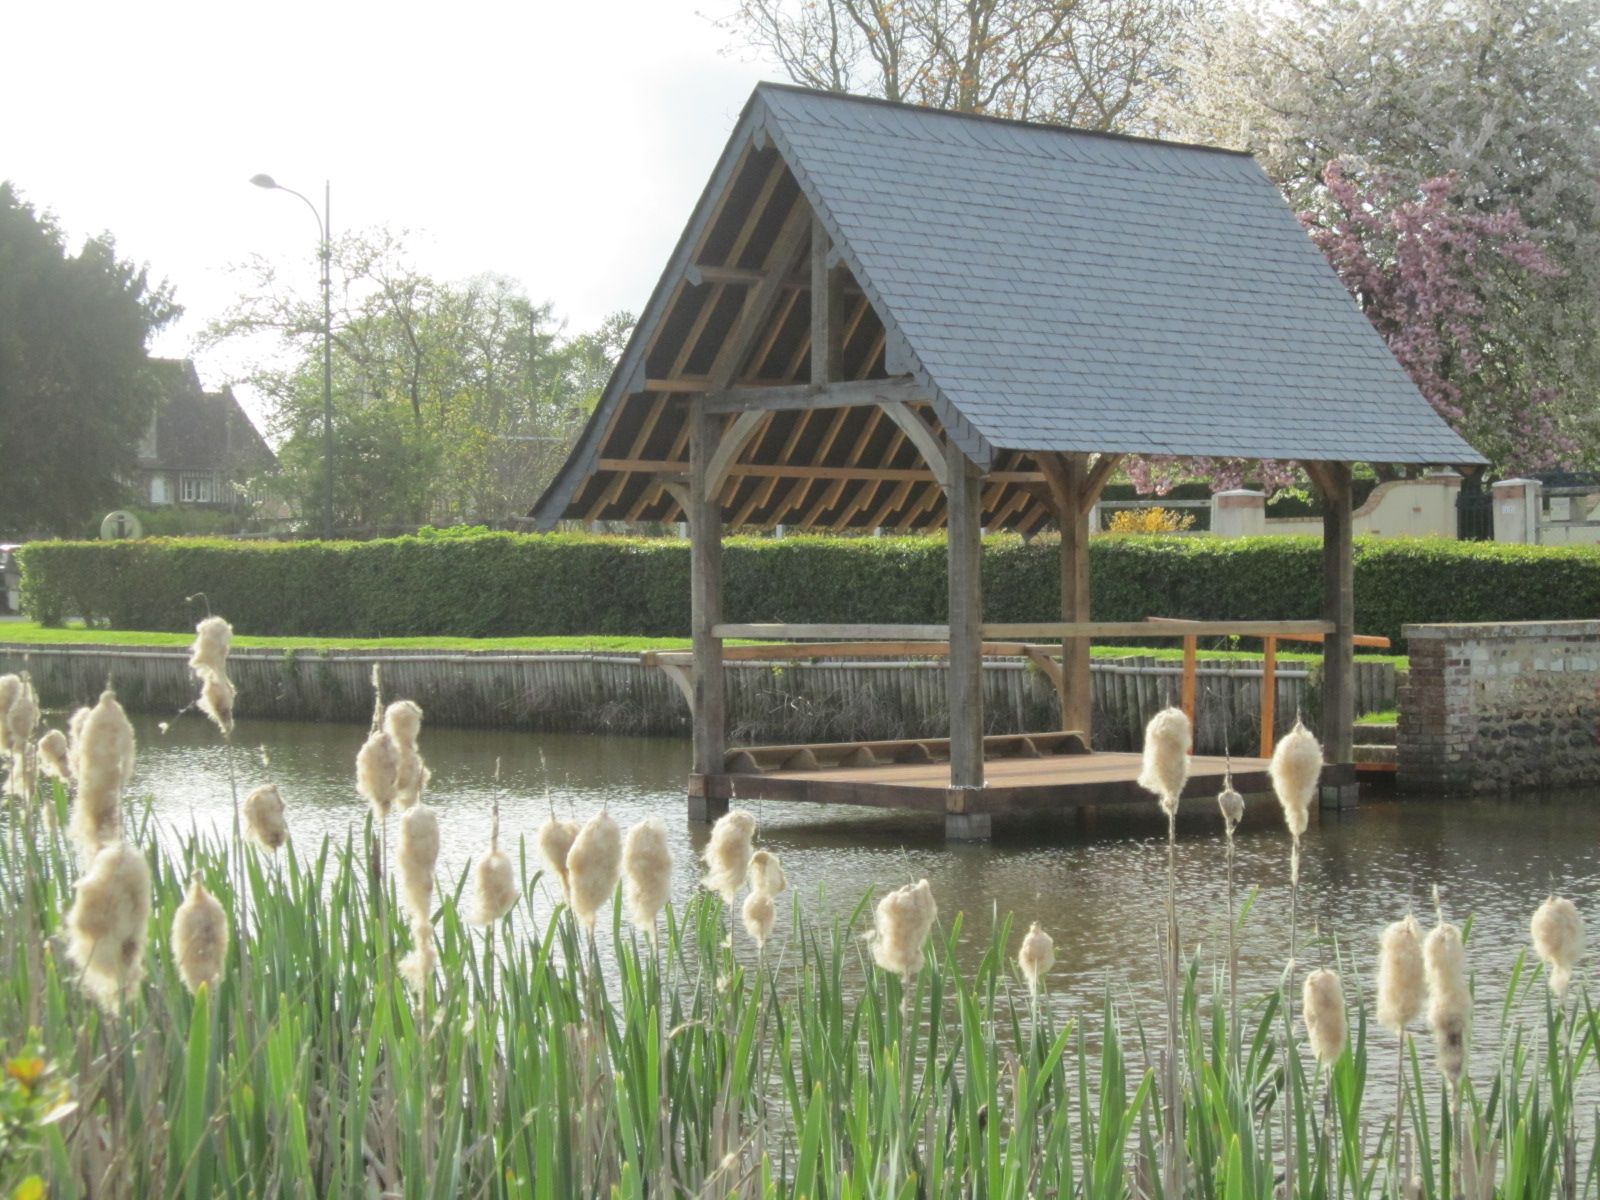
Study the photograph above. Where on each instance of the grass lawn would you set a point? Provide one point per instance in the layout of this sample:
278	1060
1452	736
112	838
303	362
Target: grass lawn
32	633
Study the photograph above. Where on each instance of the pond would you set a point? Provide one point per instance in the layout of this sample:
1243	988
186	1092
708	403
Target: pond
1097	884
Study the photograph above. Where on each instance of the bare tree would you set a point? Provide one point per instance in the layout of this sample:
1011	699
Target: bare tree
1087	63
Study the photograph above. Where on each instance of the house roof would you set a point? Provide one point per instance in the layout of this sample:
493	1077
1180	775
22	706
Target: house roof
1049	290
197	430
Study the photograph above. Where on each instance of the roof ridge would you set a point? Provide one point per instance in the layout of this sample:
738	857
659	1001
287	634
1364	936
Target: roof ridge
768	85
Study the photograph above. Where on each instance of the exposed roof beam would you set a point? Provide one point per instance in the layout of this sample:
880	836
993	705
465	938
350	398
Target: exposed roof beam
808	395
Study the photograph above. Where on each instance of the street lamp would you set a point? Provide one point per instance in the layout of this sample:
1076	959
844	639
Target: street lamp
325	232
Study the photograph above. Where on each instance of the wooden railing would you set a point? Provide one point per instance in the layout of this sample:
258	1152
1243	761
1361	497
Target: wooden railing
1007	640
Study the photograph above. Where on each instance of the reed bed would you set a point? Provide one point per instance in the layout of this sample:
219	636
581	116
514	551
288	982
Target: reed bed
895	1053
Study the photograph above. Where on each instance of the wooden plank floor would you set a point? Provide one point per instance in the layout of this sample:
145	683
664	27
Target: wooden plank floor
1054	783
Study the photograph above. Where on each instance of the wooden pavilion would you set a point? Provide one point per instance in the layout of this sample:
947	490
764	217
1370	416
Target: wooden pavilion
881	316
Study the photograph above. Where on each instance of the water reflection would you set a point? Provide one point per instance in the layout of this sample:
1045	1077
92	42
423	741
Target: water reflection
1097	884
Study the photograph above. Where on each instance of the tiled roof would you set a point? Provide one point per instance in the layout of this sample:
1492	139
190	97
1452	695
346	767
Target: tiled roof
1067	291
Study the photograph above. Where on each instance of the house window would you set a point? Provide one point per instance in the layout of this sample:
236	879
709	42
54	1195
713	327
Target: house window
158	490
196	489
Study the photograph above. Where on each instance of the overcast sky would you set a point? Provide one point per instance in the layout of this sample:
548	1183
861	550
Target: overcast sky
562	145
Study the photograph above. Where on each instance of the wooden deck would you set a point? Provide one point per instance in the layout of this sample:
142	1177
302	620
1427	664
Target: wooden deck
1048	784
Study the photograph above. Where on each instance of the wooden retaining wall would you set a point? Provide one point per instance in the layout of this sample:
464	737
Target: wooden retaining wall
767	702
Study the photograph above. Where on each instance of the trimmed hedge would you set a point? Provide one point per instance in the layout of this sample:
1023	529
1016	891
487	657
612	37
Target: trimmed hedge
503	584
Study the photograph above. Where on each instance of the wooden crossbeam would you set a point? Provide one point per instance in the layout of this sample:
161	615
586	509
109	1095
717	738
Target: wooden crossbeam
842	394
759	300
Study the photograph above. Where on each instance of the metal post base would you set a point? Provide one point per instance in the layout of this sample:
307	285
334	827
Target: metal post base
966	827
708	798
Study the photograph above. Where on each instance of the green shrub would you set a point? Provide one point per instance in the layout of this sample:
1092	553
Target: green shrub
503	584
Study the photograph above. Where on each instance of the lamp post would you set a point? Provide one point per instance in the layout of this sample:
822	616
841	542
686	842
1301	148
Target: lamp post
325	232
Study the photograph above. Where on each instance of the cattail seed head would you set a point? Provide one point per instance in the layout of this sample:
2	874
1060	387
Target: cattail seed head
377	764
766	873
1449	998
217	695
1231	805
1558	937
647	869
1402	986
264	817
10	689
108	924
416	858
21	718
1322	1003
901	925
101	757
1036	956
53	755
402	721
593	865
1296	767
728	853
495	890
555	843
199	937
760	914
1165	768
209	654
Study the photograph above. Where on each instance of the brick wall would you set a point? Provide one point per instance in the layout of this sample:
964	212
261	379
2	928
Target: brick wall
1499	707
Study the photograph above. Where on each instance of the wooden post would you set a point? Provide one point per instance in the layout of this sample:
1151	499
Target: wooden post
1338	609
707	795
1077	703
1191	666
827	311
1269	695
966	645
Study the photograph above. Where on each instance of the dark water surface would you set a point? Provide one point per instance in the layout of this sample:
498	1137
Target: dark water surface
1098	886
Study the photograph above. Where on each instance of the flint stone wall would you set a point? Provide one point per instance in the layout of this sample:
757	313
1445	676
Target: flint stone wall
1501	707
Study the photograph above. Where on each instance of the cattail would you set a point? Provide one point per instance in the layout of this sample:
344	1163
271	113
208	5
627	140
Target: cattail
1166	757
53	755
417	855
264	817
377	764
1231	805
1322	1004
199	937
1558	937
728	853
760	913
217	695
494	881
766	873
402	721
10	689
21	718
647	869
108	924
555	843
209	654
101	755
901	925
593	865
1449	1000
1036	956
1401	983
1296	767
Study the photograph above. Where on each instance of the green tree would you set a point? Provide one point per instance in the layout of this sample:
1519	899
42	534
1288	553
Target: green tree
453	401
76	387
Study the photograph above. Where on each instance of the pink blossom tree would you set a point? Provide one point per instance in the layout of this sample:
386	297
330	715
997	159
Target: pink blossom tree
1441	281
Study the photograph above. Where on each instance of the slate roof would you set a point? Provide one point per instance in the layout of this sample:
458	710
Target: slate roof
1067	291
1048	289
197	430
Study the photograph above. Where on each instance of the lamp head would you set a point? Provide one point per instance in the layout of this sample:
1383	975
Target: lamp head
264	181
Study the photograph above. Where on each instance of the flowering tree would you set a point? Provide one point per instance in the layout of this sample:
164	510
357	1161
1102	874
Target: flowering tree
1435	275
